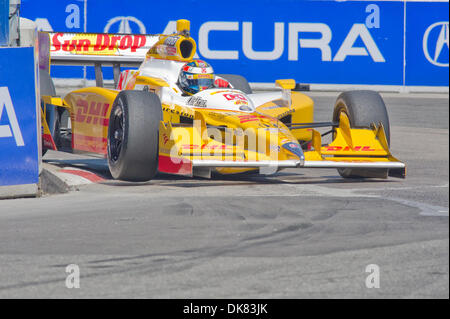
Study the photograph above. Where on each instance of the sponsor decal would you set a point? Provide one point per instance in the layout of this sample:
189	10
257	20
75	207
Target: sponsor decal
94	113
101	44
248	118
435	43
264	120
196	101
165	138
199	76
177	112
165	51
204	76
127	80
347	148
240	102
231	97
204	147
293	145
294	148
298	36
286	113
171	41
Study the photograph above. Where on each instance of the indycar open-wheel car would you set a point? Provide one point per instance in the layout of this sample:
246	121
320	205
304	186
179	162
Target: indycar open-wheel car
147	124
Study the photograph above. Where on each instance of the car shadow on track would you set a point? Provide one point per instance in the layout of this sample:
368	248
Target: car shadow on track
240	180
100	168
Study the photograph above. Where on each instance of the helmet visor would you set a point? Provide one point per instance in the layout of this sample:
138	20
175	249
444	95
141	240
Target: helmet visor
199	82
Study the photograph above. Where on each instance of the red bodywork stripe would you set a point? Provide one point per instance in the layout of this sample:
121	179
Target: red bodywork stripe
47	142
181	166
90	143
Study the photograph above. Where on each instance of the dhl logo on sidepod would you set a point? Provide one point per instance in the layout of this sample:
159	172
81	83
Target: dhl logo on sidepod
104	44
94	113
347	148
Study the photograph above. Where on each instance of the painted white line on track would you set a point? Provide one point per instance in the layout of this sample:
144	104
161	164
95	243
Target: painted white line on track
425	209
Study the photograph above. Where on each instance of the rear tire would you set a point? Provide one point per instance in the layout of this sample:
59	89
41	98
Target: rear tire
133	136
238	82
362	108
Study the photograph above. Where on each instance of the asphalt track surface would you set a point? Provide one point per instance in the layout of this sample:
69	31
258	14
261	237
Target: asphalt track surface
302	233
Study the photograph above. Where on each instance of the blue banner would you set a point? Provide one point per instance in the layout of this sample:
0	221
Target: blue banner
332	42
427	39
19	160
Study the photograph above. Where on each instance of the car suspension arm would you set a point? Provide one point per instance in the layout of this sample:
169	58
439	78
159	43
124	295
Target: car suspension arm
295	126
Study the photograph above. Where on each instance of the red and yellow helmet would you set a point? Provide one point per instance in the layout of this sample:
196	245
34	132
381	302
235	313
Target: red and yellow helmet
196	76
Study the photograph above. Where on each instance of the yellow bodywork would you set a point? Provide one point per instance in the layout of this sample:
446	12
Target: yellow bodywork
351	145
187	135
185	144
301	111
150	81
89	110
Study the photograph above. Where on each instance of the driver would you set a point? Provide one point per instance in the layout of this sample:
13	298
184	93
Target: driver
197	76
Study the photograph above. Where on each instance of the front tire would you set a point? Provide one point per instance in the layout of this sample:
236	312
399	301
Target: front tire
362	109
133	136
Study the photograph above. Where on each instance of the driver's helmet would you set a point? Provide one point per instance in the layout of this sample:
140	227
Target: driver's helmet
196	76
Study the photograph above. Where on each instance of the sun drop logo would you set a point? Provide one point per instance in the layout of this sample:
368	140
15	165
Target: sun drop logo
12	129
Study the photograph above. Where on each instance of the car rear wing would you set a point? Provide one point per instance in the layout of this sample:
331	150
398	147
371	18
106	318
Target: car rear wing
98	49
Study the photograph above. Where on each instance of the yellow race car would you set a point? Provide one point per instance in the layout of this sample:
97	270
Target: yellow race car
174	115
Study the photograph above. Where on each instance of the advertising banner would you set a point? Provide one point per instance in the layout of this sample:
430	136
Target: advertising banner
19	138
320	42
427	43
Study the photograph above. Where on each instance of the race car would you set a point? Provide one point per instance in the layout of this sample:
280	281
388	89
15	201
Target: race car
174	115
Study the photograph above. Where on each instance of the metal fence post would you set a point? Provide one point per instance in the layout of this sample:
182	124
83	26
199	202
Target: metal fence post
4	22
